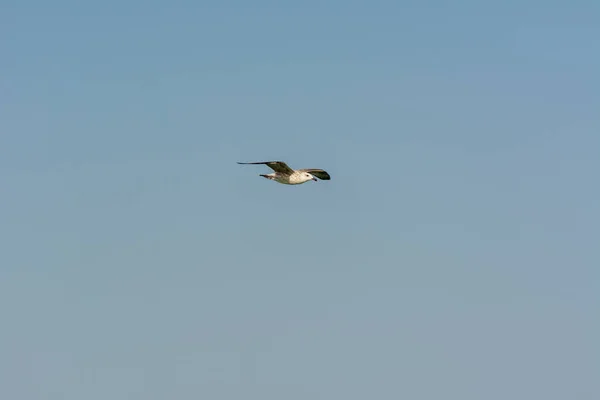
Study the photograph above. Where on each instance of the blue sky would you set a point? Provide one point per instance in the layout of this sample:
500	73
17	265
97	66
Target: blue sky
453	255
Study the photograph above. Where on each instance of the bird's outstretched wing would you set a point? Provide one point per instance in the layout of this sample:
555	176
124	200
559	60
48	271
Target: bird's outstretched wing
277	166
319	173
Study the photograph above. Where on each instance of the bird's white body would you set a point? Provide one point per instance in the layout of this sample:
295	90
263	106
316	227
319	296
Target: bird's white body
297	178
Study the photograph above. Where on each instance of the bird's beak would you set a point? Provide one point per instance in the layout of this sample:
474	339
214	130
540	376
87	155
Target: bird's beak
314	179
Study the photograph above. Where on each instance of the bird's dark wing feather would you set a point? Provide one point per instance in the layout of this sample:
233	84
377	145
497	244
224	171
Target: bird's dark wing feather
319	173
277	166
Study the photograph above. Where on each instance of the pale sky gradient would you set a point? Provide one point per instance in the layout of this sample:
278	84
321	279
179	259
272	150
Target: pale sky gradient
454	255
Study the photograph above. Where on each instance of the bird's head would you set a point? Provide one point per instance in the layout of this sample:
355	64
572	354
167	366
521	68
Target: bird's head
308	177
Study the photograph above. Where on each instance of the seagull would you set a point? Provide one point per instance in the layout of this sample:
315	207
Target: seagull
287	176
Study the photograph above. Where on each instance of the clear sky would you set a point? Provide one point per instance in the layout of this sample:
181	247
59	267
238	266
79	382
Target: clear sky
455	254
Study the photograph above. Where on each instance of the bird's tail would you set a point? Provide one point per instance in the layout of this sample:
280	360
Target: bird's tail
267	176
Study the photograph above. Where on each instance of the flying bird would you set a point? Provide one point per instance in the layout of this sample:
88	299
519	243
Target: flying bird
287	176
